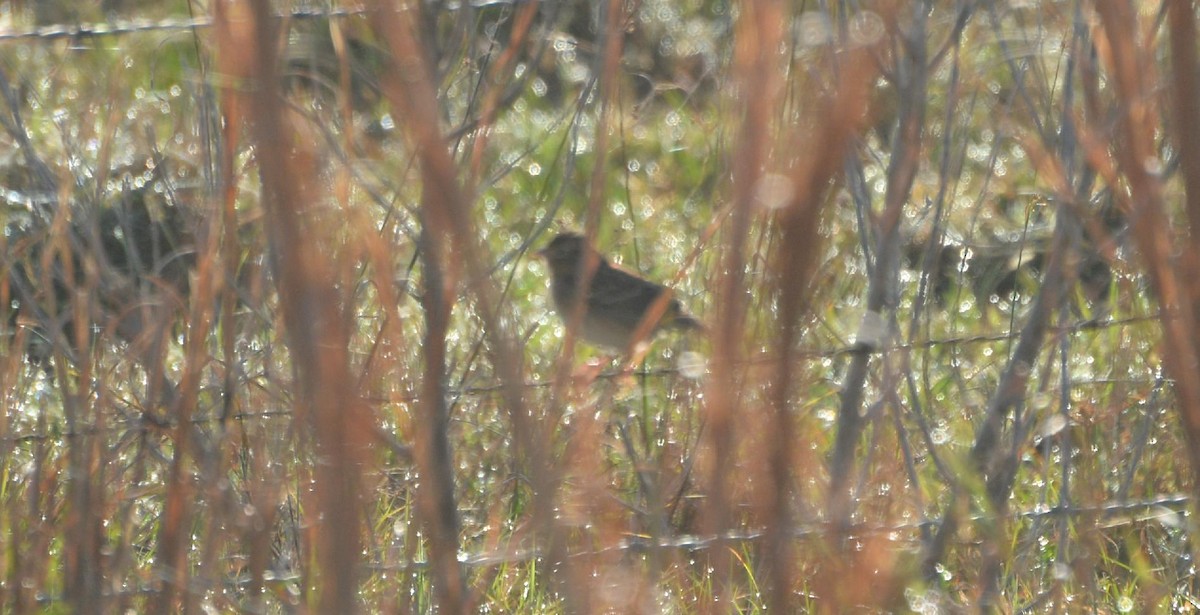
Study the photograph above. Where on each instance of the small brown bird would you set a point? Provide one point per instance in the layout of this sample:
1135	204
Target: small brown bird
617	301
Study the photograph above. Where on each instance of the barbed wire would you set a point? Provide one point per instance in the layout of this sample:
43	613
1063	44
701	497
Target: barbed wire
617	374
1166	508
811	354
120	27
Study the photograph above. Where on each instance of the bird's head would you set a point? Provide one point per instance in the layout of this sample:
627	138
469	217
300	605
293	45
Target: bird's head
564	252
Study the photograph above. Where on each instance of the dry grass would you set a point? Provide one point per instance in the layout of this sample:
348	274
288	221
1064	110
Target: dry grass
942	252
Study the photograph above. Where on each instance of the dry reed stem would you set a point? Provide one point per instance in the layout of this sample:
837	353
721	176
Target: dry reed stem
1130	67
327	401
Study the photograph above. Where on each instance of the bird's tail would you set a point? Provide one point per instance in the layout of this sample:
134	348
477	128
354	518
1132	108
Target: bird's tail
683	322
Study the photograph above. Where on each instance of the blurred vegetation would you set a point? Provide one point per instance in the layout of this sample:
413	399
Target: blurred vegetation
161	446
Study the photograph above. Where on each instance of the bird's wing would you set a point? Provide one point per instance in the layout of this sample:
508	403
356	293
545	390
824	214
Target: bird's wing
621	297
